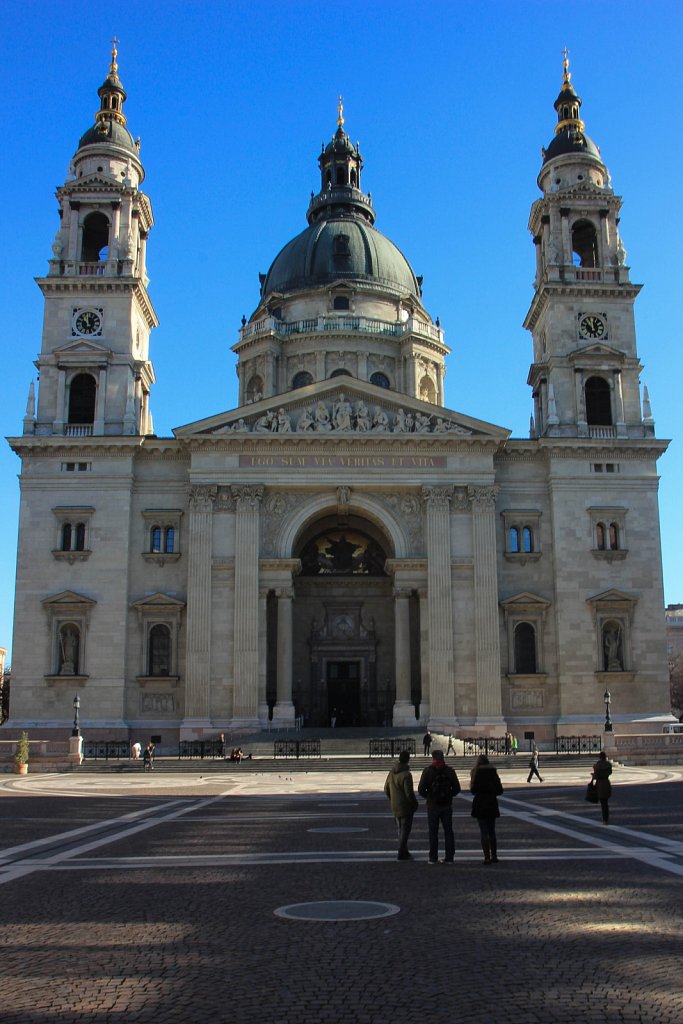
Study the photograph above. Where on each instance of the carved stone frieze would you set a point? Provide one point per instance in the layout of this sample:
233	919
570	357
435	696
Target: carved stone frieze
408	510
225	501
276	506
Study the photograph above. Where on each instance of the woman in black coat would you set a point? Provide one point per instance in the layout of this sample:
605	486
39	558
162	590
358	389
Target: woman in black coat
487	787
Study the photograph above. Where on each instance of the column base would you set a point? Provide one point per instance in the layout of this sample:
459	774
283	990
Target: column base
284	712
75	755
403	714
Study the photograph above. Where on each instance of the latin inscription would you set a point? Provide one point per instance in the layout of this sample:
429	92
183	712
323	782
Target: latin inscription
342	461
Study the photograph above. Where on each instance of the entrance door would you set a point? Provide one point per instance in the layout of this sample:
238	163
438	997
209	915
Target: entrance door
343	692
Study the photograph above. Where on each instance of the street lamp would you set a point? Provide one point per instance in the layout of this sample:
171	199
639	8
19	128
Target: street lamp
608	721
77	704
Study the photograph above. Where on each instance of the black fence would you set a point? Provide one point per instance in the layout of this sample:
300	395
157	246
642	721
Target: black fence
296	748
578	744
201	748
104	749
485	745
391	748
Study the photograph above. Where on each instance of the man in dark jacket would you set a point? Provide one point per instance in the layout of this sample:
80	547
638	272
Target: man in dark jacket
399	789
438	785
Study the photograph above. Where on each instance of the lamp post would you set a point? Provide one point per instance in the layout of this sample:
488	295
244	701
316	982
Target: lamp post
77	704
608	721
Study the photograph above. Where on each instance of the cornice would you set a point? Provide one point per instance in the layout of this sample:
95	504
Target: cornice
588	448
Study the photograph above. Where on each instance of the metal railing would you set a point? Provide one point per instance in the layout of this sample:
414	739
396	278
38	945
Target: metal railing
578	744
201	748
390	747
296	748
94	750
484	745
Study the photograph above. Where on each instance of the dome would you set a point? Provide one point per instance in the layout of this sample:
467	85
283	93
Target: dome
338	248
115	135
576	143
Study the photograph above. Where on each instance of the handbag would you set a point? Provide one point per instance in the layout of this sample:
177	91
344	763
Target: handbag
592	793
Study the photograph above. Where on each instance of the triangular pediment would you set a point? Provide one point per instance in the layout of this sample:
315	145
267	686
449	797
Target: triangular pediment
525	599
82	349
67	597
159	601
596	353
341	406
93	180
612	597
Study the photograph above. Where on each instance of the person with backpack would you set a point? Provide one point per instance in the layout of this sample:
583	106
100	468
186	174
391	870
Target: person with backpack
399	789
438	785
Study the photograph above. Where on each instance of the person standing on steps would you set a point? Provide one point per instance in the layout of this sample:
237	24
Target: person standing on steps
399	789
602	769
438	785
487	787
533	766
427	743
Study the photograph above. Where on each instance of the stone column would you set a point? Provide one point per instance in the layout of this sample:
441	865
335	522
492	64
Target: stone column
440	602
424	654
100	408
486	629
284	709
404	712
580	403
262	653
246	668
73	253
566	237
198	665
61	412
619	405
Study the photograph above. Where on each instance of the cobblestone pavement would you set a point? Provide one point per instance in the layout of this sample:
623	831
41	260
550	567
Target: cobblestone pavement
154	900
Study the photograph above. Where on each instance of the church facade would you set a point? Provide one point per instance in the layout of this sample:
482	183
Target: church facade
340	545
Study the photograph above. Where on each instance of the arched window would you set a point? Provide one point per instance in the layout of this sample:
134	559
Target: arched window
169	540
514	540
159	651
354	179
255	389
613	537
598	402
66	537
584	244
527	539
380	380
341	373
341	174
341	302
525	648
82	394
600	540
80	537
302	379
95	238
155	540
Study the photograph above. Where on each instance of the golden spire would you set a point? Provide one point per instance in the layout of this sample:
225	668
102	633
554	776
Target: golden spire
113	67
566	76
340	113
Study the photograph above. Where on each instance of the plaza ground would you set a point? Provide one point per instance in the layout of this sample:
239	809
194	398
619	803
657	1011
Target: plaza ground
142	897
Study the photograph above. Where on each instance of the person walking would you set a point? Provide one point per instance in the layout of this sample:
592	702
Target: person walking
533	766
399	789
486	786
137	750
515	744
451	745
427	743
438	785
148	757
602	769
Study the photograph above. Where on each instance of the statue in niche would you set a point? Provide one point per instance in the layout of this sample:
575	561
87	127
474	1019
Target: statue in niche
68	649
339	555
613	647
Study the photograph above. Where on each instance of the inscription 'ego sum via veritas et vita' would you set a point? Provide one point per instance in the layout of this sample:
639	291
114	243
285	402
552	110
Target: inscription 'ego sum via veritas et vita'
343	461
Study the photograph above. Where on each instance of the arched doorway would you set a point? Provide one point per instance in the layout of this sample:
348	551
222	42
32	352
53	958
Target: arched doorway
343	627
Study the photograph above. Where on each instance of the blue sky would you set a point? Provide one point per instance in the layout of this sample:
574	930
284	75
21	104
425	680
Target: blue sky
451	103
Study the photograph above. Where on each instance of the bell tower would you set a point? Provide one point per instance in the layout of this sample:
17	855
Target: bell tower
95	372
585	373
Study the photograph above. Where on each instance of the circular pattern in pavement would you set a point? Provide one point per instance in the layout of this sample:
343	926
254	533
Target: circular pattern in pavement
339	829
337	910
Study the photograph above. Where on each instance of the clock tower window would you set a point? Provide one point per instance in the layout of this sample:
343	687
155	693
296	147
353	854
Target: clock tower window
584	244
95	238
82	395
598	402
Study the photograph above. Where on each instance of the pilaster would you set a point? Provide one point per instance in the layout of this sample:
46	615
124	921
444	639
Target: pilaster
404	712
486	629
441	689
246	669
198	667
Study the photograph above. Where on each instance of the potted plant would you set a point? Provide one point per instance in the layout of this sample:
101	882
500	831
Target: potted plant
21	754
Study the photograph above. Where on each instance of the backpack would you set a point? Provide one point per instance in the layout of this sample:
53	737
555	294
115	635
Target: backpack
441	790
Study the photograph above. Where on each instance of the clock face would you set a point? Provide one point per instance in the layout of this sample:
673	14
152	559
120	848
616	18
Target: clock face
591	326
88	322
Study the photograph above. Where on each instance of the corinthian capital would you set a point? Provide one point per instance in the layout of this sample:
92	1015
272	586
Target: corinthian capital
482	499
202	498
437	499
247	497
